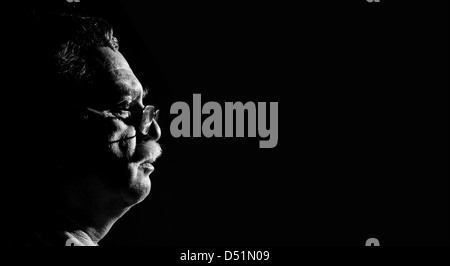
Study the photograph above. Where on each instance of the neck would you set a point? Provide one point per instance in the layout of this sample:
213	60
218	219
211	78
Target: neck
90	210
88	231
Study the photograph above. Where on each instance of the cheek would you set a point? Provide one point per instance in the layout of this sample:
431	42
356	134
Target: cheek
122	140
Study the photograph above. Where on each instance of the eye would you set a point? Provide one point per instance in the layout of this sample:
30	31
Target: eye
124	103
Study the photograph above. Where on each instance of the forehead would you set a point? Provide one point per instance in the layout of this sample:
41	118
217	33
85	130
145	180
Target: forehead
118	73
112	59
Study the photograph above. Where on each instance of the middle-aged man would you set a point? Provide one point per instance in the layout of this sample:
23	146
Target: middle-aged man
90	141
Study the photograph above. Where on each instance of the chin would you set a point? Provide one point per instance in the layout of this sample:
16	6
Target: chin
137	190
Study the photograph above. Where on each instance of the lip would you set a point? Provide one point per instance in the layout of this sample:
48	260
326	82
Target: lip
147	167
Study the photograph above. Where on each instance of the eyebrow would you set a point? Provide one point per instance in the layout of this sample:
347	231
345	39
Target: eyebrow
134	94
145	91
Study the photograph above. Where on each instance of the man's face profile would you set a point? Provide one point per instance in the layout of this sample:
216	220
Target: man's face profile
94	140
127	160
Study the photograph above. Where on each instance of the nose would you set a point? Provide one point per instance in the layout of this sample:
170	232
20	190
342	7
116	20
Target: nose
149	128
153	133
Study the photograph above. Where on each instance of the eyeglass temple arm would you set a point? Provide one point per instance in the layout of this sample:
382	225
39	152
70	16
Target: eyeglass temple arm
99	113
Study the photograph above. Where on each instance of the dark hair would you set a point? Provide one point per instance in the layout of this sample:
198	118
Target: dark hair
62	57
63	70
54	64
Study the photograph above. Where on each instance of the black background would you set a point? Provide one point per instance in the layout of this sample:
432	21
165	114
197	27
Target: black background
362	90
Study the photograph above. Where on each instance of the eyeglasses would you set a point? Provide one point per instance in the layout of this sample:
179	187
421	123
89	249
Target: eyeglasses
144	117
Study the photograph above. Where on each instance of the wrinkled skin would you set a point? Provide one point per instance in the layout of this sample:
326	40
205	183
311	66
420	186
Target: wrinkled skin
115	175
125	151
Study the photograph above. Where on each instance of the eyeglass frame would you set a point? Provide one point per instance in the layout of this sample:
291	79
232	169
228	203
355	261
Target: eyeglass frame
145	120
